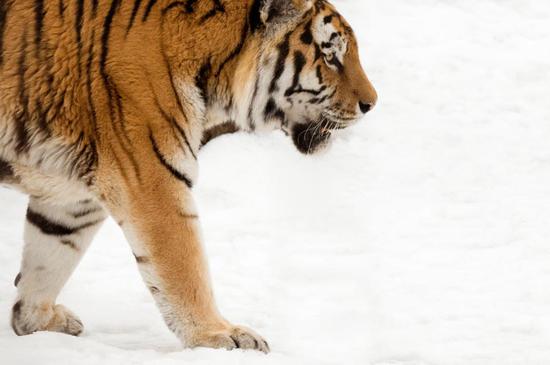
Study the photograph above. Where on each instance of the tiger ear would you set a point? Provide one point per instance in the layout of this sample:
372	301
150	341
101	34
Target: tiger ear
274	12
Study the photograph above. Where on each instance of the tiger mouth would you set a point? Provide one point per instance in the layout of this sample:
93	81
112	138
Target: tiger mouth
313	136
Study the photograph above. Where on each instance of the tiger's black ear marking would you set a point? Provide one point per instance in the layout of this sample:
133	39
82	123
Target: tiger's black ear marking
277	12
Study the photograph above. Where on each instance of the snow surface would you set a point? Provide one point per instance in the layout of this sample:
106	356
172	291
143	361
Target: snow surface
420	238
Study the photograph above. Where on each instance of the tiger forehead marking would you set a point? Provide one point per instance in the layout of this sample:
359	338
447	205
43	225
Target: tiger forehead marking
330	37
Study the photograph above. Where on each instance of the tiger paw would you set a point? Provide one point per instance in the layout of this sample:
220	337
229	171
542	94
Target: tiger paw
27	319
64	321
231	338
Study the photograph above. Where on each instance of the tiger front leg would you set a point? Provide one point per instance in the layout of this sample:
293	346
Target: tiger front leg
161	224
56	237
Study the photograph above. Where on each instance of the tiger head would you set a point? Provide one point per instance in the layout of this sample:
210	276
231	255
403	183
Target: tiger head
309	79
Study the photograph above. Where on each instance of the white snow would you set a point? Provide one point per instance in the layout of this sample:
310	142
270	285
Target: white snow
420	238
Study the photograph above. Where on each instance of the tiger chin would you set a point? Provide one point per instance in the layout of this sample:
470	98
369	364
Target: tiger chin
104	106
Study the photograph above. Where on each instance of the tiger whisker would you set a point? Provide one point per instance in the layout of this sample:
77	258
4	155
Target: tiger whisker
316	130
319	128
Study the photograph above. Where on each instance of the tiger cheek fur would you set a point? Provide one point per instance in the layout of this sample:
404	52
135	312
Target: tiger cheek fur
104	106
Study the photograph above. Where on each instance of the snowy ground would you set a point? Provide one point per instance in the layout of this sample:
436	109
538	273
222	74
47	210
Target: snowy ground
421	238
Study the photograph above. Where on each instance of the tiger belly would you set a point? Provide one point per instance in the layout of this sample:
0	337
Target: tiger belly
48	188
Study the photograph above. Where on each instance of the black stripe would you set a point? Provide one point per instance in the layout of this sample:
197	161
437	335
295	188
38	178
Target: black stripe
78	29
176	95
319	74
49	227
237	344
135	9
58	107
42	119
336	62
49	105
121	168
236	50
87	212
17	280
15	314
6	170
118	107
174	5
201	80
318	100
307	35
273	111
251	122
94	8
189	7
90	161
299	63
122	134
89	82
254	16
4	9
115	4
318	52
184	136
61	9
141	259
322	99
93	115
174	123
218	130
269	108
41	110
105	37
87	155
178	175
320	5
218	8
299	89
122	122
148	9
284	50
39	23
79	152
22	116
188	216
70	244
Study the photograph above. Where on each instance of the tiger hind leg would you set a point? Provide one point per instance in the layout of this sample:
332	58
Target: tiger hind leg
56	237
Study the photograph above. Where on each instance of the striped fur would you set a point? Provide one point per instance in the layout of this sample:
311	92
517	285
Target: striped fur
104	106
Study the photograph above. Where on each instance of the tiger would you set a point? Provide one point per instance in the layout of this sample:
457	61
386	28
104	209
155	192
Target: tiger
104	106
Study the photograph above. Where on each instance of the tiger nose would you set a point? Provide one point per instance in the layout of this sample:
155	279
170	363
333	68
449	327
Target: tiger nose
365	107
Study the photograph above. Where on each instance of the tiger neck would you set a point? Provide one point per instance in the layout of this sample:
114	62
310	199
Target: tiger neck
243	104
242	110
250	92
